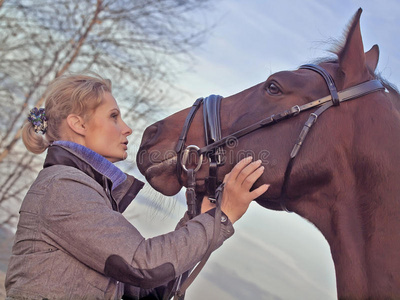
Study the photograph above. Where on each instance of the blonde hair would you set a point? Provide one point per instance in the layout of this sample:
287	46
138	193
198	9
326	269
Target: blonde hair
67	94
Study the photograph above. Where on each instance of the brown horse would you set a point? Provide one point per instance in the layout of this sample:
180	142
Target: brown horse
345	178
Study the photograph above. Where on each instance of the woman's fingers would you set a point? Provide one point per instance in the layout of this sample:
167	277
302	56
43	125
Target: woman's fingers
237	196
238	168
259	191
250	175
245	173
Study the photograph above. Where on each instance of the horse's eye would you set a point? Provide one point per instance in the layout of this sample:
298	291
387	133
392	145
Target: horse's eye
273	89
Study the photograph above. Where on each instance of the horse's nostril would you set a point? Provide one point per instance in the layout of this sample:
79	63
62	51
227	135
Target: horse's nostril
150	135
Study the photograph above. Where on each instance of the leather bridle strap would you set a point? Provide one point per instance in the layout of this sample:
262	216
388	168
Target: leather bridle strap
345	95
182	138
186	125
180	294
348	94
335	99
328	79
212	131
212	118
212	127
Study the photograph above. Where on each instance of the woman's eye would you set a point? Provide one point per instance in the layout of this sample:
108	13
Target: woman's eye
273	89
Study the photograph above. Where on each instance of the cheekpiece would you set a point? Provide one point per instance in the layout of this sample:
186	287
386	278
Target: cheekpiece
38	119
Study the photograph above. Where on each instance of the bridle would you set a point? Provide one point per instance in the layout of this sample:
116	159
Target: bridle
212	130
215	143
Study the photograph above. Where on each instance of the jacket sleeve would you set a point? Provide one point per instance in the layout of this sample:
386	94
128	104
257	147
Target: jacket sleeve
163	258
79	219
165	291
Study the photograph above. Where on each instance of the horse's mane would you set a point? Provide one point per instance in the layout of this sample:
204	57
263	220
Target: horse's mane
389	86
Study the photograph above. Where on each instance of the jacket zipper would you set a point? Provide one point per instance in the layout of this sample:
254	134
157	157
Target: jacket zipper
108	193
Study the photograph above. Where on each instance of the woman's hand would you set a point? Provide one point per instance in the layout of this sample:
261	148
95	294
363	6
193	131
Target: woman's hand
236	196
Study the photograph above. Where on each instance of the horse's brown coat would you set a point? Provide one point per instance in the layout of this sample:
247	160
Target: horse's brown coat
345	179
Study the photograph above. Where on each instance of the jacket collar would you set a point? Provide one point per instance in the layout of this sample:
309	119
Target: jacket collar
123	187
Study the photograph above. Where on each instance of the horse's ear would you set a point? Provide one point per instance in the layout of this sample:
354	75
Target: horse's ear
372	58
352	60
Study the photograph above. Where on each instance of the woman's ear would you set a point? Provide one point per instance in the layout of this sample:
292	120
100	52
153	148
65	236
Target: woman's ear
76	124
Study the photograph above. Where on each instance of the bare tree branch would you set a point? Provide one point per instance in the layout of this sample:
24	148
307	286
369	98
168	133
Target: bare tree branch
81	40
135	43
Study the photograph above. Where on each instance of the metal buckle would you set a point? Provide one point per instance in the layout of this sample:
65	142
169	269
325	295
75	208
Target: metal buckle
219	156
315	117
296	110
185	157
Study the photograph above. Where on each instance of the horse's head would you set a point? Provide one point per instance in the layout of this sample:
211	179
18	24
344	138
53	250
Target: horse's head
323	155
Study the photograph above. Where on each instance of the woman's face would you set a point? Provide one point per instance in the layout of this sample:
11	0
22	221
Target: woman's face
106	132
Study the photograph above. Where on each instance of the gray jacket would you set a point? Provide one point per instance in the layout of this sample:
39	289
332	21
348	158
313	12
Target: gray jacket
72	241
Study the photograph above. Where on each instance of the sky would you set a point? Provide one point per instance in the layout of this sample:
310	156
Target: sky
272	255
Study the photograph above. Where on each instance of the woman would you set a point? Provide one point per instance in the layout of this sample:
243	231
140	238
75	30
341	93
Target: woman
72	241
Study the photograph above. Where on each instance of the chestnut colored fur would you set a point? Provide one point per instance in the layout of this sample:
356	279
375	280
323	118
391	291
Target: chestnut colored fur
345	179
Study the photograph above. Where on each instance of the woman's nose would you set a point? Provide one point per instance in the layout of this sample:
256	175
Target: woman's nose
126	130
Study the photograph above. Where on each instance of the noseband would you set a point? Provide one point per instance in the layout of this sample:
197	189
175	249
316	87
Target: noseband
214	142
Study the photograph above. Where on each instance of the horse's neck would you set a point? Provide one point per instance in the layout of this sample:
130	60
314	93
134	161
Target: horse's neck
367	242
365	247
359	214
363	231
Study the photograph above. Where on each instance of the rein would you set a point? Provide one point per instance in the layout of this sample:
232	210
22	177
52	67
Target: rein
214	143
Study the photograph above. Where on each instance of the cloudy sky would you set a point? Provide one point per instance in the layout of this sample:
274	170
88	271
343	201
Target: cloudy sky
273	255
